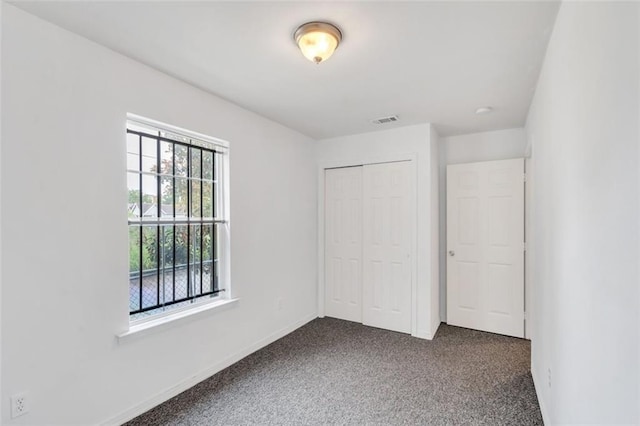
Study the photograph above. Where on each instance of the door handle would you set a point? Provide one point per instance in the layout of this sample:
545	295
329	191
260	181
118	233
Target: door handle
452	253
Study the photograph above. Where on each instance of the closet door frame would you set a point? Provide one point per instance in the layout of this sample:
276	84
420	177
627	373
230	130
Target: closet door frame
391	158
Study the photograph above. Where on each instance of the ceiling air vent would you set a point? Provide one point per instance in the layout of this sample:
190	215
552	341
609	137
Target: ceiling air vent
385	120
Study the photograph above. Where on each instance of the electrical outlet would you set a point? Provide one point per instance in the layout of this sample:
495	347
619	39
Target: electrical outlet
549	376
19	404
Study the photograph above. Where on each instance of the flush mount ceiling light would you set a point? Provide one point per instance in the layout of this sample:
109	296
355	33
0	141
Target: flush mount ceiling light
484	110
317	40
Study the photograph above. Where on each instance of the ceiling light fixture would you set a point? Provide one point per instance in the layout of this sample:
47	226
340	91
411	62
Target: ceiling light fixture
484	110
317	40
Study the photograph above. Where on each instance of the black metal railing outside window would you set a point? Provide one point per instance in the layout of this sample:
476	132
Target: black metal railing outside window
175	212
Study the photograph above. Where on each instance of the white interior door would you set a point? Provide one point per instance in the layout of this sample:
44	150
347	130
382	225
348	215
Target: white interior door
343	243
388	227
485	246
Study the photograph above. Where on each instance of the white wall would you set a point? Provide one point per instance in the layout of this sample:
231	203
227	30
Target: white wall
485	146
529	273
1	79
64	229
392	144
434	201
583	123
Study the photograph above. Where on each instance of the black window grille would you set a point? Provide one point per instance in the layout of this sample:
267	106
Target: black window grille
174	213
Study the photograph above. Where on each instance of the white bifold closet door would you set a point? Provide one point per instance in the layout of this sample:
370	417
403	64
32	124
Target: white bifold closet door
368	234
343	243
387	222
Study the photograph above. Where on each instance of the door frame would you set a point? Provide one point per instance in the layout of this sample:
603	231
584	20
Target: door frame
391	158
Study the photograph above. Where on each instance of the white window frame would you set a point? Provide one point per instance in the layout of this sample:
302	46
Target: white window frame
224	259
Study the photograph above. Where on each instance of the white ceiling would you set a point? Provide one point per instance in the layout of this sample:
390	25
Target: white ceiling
424	61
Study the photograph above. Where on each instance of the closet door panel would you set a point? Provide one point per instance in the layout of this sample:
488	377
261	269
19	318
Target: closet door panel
343	243
387	230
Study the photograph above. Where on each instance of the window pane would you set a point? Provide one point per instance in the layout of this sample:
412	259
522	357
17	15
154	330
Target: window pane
134	267
195	261
133	152
207	258
166	267
207	199
195	198
217	203
166	156
181	197
149	248
166	185
195	162
217	169
207	165
149	266
133	185
133	161
181	160
149	155
180	250
134	250
149	196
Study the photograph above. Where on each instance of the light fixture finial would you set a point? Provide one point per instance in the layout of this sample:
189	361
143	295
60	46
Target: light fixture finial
317	40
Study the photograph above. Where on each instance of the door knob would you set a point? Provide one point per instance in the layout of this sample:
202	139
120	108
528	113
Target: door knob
452	253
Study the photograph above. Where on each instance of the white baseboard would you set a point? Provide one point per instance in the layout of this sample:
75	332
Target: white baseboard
204	374
435	330
422	334
537	384
426	334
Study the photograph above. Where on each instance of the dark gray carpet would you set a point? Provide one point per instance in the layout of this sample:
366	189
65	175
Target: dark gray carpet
337	372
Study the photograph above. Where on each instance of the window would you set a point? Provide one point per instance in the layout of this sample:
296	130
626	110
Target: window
178	218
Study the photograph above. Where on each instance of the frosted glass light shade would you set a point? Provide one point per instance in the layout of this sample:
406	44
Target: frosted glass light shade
317	40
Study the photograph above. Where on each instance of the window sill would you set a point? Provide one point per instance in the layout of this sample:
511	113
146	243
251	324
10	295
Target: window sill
169	321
